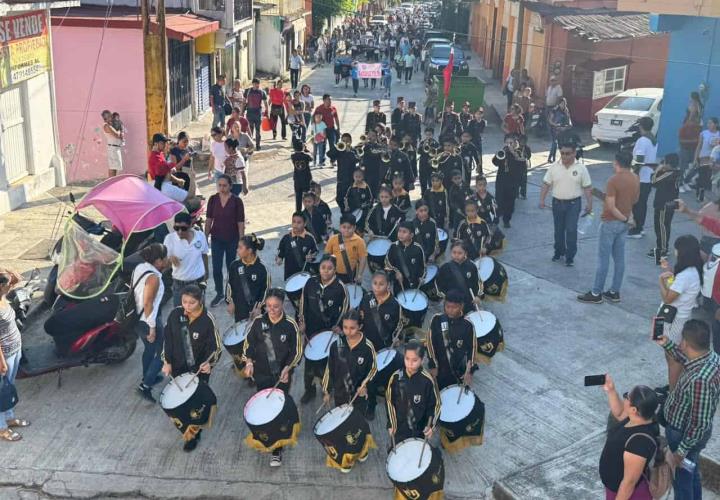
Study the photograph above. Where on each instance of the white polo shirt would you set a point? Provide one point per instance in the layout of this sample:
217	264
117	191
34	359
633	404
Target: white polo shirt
190	254
567	183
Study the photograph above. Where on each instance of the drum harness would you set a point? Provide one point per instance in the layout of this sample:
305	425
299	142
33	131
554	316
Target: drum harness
404	269
187	345
342	350
296	252
345	258
245	287
375	313
458	277
445	330
402	385
320	305
269	348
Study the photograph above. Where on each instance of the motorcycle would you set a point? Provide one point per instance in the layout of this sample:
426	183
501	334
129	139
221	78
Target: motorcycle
20	298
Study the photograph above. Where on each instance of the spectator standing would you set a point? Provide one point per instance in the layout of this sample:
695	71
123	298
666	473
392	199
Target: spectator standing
256	104
187	250
277	109
514	123
296	64
234	167
409	66
330	117
688	136
691	405
224	226
644	155
181	150
568	179
553	94
114	139
318	134
237	95
709	138
217	102
665	181
355	77
623	190
237	117
308	102
695	108
559	121
511	85
217	153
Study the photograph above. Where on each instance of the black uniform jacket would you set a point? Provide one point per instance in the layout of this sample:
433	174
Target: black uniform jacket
381	319
463	277
475	233
348	368
425	234
412	401
439	205
379	225
373	119
204	341
451	360
409	260
321	307
273	346
293	249
257	278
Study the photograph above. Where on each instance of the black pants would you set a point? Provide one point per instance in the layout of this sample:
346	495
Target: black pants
309	374
505	194
340	192
408	74
425	172
294	76
298	198
254	118
640	208
523	182
663	219
278	112
356	85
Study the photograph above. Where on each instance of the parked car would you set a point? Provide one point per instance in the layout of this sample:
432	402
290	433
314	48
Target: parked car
431	42
610	124
378	20
429	34
438	58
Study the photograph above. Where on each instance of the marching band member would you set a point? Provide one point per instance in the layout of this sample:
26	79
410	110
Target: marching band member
474	231
411	124
371	160
296	248
426	151
315	221
425	231
191	345
457	193
449	161
413	399
487	209
460	273
465	115
398	165
437	200
400	197
452	343
384	216
321	206
359	197
248	279
470	157
323	302
510	166
349	251
347	162
408	147
301	172
477	128
406	259
396	116
272	350
375	117
450	126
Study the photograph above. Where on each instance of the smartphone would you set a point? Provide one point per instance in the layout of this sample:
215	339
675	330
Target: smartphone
594	380
658	327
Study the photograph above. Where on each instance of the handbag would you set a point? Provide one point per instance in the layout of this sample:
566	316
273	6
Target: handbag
8	394
127	315
667	313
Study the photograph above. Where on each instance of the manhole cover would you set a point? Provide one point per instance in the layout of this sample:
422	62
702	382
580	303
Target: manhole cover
39	251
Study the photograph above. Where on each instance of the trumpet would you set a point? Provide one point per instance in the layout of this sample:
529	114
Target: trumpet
341	146
385	157
500	155
435	162
360	150
427	147
363	138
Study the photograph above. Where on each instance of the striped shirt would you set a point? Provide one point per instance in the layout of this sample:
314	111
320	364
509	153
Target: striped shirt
691	405
10	341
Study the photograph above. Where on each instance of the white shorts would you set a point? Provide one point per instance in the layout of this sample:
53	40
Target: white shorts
173	192
115	158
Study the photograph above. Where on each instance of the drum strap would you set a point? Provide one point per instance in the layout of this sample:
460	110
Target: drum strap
446	339
402	262
406	399
270	349
345	258
343	350
294	244
321	306
375	313
461	283
245	286
187	343
379	217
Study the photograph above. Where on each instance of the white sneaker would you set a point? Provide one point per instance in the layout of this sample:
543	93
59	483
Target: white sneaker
275	461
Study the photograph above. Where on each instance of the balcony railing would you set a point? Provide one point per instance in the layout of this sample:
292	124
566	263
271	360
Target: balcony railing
243	9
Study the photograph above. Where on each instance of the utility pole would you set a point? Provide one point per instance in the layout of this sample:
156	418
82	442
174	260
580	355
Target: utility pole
519	35
156	69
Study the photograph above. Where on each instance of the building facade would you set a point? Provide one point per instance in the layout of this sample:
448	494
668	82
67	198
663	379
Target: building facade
31	160
281	28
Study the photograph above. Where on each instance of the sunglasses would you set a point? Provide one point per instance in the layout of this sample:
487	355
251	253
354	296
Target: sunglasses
181	228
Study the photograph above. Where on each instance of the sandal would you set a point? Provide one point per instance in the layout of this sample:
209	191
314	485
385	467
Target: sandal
18	422
10	435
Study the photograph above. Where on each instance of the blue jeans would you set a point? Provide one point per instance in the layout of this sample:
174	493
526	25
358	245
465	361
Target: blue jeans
177	288
218	117
319	153
13	362
332	137
611	242
151	359
686	484
221	250
565	217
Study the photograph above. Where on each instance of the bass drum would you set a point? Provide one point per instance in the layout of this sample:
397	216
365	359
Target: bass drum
273	420
355	294
189	403
234	340
414	305
493	277
317	351
388	362
489	334
345	435
411	482
442	240
294	286
462	418
377	251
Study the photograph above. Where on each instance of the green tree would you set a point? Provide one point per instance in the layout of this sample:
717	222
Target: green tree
324	10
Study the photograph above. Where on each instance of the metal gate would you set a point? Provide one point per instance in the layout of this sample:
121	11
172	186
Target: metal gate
202	83
13	134
180	90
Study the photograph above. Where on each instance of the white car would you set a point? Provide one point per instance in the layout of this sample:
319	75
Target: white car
378	20
611	122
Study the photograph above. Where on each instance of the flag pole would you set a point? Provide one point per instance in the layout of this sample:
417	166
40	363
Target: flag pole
442	121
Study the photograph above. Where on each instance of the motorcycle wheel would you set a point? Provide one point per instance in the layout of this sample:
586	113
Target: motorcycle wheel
49	294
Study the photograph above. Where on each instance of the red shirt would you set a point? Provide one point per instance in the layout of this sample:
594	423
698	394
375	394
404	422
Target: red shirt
157	165
277	97
328	114
514	124
244	124
225	218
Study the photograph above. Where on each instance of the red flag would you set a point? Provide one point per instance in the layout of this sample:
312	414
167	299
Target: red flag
447	72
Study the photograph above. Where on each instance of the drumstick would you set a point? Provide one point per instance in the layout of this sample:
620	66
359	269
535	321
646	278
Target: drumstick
212	356
477	306
392	436
422	451
467	370
321	407
327	346
273	389
172	379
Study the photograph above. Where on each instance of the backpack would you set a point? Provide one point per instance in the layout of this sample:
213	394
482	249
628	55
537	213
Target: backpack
659	471
127	314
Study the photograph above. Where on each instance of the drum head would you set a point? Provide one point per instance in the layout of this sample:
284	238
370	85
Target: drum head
236	333
486	266
452	410
320	253
442	234
175	393
297	281
413	300
261	409
430	273
355	294
407	452
483	322
332	419
379	247
318	348
384	357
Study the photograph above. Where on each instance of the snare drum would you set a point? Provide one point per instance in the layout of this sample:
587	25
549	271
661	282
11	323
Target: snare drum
442	240
234	340
295	284
494	278
345	435
489	333
273	421
317	351
355	294
462	418
412	482
189	403
377	250
388	362
414	305
429	286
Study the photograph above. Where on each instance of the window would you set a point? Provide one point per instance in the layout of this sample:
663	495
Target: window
609	81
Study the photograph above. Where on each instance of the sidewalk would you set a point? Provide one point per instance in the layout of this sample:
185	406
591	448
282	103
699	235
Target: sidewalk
495	101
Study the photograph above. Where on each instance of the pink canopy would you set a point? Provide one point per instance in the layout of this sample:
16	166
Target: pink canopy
131	204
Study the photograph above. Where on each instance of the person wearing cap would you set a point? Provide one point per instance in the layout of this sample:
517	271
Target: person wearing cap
437	200
405	260
187	249
451	343
399	165
411	124
374	117
349	249
465	115
161	171
450	161
396	116
450	126
553	94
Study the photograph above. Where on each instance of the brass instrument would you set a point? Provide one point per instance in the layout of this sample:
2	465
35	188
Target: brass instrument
363	138
341	146
360	150
426	147
385	157
500	155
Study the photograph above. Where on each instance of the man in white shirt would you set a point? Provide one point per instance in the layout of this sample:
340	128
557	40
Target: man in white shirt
296	64
553	94
568	179
644	157
188	252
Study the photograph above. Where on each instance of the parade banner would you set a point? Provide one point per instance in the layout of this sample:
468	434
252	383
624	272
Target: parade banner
24	47
366	70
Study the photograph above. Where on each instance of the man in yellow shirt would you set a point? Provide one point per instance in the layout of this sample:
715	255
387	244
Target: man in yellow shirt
349	250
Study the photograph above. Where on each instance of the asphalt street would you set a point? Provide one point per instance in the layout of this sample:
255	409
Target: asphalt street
94	437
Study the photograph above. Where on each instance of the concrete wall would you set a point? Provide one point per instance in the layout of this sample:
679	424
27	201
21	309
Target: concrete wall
694	58
119	86
269	51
